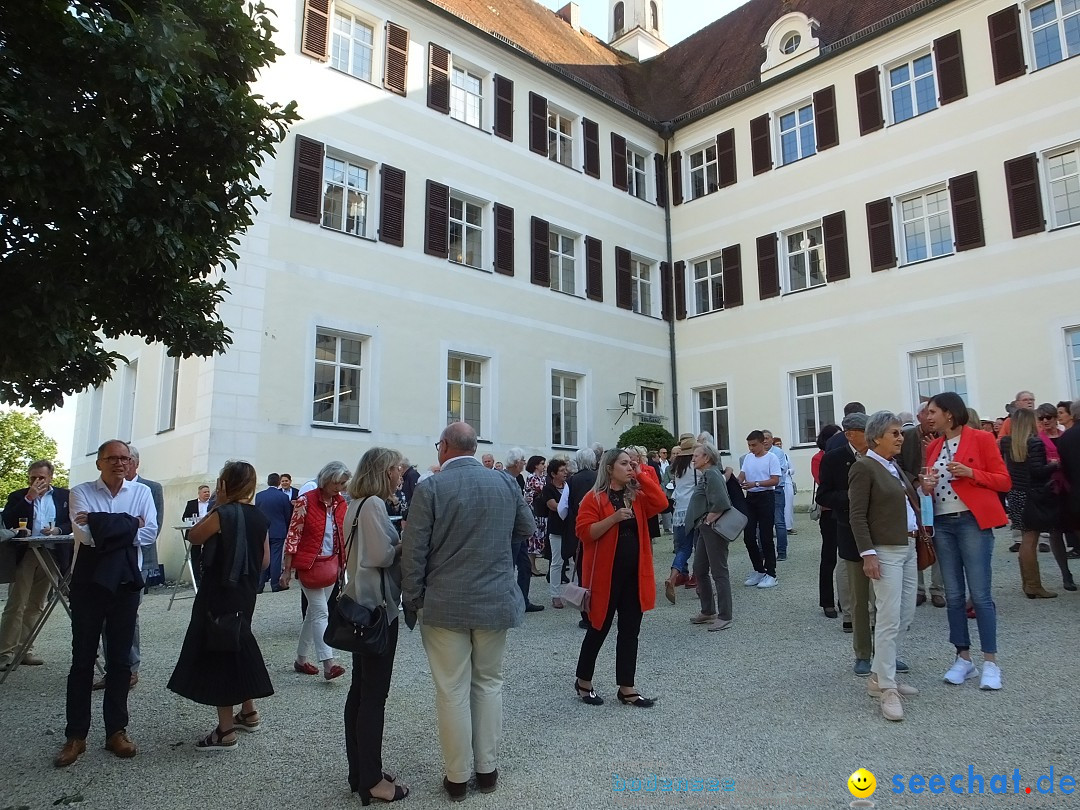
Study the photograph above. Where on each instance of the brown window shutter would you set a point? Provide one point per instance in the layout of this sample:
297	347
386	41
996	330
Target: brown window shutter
868	101
618	162
538	128
392	208
834	231
315	37
594	269
949	61
591	136
504	239
768	270
680	291
437	220
826	129
661	180
731	258
966	211
667	294
1006	45
760	144
541	253
504	107
438	90
879	227
676	178
1025	199
624	295
307	179
725	155
397	59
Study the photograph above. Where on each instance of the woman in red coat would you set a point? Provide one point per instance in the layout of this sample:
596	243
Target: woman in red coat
617	567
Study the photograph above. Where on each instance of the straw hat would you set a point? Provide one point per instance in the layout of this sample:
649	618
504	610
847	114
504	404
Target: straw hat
685	447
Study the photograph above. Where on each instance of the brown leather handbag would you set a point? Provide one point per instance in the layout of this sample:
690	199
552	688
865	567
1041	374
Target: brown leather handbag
924	549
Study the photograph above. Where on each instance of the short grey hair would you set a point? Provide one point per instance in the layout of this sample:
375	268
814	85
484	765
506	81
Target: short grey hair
585	459
1074	409
515	455
460	436
43	463
134	452
879	422
906	417
598	451
710	452
334	471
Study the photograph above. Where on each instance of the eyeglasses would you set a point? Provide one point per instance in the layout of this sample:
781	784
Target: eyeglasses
116	459
1046	418
438	444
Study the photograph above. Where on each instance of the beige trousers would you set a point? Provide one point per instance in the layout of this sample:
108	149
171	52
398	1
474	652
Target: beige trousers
466	666
25	604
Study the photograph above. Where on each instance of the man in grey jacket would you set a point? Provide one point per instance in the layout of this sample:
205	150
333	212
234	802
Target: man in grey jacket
457	574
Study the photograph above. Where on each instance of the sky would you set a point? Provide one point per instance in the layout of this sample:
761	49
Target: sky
681	17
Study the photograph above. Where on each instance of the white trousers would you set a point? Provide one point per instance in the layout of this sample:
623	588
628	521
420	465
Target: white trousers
555	569
311	634
894	597
466	666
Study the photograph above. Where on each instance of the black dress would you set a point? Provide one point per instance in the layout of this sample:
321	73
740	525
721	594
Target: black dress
226	678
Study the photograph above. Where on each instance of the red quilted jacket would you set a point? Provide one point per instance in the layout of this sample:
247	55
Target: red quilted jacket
308	525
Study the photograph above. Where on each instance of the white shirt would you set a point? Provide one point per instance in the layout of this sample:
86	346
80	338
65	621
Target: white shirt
44	511
306	488
132	499
912	521
203	507
761	468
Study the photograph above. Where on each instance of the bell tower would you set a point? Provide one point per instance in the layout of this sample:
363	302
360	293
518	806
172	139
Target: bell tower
636	27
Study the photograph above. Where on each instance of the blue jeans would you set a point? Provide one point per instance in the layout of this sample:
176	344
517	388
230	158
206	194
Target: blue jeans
684	547
779	520
963	549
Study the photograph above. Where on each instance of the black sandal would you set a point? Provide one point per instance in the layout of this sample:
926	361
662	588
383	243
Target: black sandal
215	741
399	793
244	723
587	695
635	699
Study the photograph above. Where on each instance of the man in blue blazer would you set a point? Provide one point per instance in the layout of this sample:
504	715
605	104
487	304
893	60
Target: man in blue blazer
275	504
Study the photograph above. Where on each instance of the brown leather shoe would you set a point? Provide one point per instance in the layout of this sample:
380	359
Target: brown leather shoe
31	660
99	685
485	782
455	790
937	600
121	745
72	750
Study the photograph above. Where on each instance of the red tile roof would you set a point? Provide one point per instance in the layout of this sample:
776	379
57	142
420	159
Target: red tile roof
717	60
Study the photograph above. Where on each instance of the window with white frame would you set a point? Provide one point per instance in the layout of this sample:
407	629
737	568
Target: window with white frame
637	182
565	398
1063	175
170	378
352	45
641	286
1072	349
466	96
912	90
93	422
804	252
128	388
712	414
562	261
926	225
338	369
708	285
797	139
560	137
704	171
649	397
466	237
938	370
1055	31
812	392
345	195
465	390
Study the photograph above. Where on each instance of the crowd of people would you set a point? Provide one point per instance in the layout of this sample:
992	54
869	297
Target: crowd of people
456	551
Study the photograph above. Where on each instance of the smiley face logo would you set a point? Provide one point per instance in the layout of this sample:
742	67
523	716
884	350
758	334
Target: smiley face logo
862	784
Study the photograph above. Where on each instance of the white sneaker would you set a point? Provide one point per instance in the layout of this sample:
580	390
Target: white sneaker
754	579
991	676
960	671
873	688
768	582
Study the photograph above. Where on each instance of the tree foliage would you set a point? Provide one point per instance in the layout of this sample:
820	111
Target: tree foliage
22	442
131	141
651	437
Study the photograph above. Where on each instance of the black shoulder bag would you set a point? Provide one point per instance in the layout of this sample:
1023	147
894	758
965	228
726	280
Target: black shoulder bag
351	626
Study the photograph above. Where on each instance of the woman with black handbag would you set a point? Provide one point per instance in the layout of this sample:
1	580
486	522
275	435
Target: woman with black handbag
220	662
373	564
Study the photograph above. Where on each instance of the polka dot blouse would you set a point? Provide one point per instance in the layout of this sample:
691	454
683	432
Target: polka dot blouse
946	501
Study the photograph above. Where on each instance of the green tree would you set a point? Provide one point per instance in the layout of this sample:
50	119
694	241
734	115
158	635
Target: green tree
131	139
651	437
22	442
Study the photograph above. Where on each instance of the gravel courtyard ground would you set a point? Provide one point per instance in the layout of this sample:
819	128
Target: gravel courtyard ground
768	708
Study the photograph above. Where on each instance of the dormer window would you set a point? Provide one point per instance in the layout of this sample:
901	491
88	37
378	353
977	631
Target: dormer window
790	43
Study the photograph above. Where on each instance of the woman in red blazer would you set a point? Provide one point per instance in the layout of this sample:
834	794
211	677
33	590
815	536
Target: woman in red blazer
617	567
964	474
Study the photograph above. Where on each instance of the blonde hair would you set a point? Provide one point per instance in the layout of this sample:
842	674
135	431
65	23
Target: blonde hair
1023	428
372	476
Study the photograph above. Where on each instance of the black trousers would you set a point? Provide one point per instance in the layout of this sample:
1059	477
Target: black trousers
759	531
93	610
624	599
365	709
524	570
827	523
